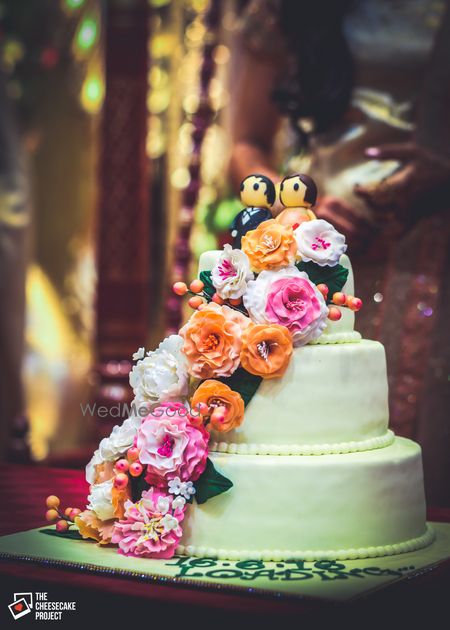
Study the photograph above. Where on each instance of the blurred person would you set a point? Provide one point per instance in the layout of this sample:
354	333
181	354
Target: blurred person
365	86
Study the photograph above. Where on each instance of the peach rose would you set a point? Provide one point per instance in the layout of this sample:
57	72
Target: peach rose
216	394
91	527
271	246
118	498
266	350
212	341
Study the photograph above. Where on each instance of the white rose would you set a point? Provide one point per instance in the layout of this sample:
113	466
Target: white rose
139	354
231	273
318	241
100	500
120	440
161	376
96	460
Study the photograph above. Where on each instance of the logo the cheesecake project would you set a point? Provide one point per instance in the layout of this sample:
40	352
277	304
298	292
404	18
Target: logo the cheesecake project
22	605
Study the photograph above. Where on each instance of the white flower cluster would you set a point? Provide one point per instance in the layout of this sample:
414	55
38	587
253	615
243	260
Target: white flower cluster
160	376
185	489
231	273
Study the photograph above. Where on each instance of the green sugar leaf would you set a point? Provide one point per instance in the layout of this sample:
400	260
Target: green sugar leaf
205	277
334	277
244	383
210	483
73	534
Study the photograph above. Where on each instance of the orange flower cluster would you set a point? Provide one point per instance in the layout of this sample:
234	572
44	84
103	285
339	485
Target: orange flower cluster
270	246
91	527
215	394
266	350
212	341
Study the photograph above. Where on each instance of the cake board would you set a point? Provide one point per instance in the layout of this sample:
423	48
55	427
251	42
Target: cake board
341	581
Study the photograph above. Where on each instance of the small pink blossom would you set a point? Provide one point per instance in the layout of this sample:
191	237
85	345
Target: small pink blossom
151	527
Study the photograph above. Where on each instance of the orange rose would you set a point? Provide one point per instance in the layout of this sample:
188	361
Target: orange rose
215	394
271	246
266	350
90	526
212	341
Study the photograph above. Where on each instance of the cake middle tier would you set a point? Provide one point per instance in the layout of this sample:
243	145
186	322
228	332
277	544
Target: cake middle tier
332	399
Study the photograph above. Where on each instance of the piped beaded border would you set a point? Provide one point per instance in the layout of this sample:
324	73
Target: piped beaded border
337	337
340	554
304	449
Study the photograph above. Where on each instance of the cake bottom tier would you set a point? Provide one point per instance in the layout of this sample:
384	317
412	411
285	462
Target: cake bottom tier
353	505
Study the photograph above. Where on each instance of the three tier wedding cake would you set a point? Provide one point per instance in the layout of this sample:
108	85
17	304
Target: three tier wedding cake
260	431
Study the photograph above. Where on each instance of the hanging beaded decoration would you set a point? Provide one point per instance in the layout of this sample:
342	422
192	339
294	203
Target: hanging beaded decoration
201	121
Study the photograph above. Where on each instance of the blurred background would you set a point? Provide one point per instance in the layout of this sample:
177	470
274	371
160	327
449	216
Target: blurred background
126	127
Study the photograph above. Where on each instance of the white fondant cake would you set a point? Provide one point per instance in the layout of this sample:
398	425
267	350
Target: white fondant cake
316	472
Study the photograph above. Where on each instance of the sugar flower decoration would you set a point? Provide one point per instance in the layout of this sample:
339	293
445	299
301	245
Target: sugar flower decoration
91	468
318	241
150	528
100	500
290	299
139	354
91	527
160	376
231	273
212	341
171	446
271	246
214	395
184	489
121	439
266	350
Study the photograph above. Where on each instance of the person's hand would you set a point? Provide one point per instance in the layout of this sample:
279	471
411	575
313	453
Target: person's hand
357	230
412	191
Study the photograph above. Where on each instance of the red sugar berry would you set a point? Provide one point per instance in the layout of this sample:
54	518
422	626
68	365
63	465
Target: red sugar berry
136	469
334	314
180	288
339	299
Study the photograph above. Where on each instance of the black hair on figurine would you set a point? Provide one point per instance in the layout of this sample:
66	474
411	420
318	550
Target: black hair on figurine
311	189
270	187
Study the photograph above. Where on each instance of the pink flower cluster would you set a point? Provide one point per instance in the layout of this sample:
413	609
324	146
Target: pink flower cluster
151	527
171	446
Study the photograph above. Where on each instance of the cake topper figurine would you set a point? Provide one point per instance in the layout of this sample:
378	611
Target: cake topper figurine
258	196
298	194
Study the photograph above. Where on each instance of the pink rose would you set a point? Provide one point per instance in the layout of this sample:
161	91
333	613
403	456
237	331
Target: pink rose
171	446
288	298
151	527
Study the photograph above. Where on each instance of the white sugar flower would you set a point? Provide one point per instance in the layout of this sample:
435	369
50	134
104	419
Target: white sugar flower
161	376
121	439
178	503
231	273
139	354
169	522
187	489
96	460
183	488
100	500
163	505
175	485
318	241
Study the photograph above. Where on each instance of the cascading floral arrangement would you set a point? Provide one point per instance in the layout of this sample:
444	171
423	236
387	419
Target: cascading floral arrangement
257	304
